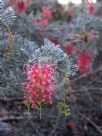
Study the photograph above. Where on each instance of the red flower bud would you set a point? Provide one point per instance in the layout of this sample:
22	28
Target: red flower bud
20	6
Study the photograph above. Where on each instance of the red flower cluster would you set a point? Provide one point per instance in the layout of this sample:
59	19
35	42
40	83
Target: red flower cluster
20	5
47	13
91	6
69	15
55	41
69	48
39	87
91	9
84	61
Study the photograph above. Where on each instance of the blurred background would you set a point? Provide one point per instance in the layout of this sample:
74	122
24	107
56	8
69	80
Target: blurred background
75	25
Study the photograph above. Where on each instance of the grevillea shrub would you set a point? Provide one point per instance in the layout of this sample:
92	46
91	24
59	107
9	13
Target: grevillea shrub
81	32
47	76
49	68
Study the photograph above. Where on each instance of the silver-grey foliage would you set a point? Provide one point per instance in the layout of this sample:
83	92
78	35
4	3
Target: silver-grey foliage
7	14
64	62
11	67
89	21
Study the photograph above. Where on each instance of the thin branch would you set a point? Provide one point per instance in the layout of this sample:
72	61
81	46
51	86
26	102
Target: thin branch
91	122
7	99
56	126
11	118
87	74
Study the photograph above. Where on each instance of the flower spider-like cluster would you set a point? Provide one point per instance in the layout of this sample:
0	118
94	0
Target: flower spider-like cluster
39	87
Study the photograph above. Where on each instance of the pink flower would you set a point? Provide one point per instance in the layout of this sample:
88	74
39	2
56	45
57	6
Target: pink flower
42	22
69	13
69	48
91	9
39	87
20	5
55	41
26	2
93	35
91	6
84	61
47	13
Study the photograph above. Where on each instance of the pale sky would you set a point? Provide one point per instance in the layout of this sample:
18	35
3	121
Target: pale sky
73	1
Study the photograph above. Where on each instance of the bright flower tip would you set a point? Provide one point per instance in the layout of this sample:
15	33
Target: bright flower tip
91	9
55	41
84	61
69	48
20	6
47	12
69	13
